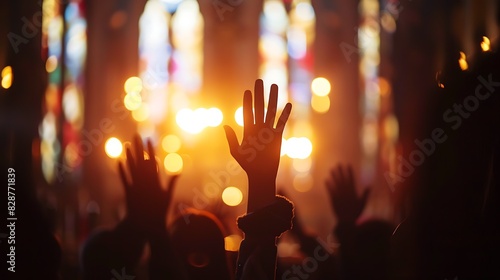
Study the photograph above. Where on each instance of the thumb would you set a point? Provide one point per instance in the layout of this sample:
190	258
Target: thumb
232	140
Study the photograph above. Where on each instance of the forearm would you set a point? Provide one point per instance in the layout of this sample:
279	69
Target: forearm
261	192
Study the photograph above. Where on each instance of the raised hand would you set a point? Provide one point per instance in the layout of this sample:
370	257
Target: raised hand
343	196
259	152
147	200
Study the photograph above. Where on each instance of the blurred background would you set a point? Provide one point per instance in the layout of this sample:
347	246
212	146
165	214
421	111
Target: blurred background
80	78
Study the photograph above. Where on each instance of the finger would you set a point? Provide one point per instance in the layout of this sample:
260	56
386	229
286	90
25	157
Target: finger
171	186
271	106
123	177
139	150
259	101
151	151
247	109
284	117
131	163
232	140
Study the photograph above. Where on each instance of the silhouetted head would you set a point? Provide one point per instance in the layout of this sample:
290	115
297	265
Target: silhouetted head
198	240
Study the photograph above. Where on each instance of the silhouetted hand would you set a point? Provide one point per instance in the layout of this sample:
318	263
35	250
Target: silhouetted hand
147	201
343	196
259	152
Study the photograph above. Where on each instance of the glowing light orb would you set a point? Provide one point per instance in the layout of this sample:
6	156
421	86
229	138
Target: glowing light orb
51	64
238	116
232	196
462	61
214	117
299	147
173	163
485	44
132	101
7	77
320	104
133	84
171	143
191	121
113	147
320	86
141	114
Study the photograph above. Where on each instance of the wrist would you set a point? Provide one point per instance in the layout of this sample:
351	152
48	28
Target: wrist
261	192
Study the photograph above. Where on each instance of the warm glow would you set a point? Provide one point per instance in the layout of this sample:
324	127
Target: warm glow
463	61
238	116
7	77
283	147
173	163
232	242
133	84
302	165
298	147
214	117
320	86
51	64
132	101
113	147
171	143
191	121
232	196
438	80
320	104
71	104
71	156
303	182
485	44
141	114
388	22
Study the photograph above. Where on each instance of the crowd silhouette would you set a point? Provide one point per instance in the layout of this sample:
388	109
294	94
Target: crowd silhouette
448	223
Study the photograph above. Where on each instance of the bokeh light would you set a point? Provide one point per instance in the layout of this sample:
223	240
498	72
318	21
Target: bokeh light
320	86
72	104
320	104
298	147
141	114
133	84
7	77
485	44
462	61
113	147
214	117
232	242
51	64
302	165
173	163
232	196
171	143
303	182
132	101
190	121
238	116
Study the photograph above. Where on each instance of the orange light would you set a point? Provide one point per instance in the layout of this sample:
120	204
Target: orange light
232	196
113	147
485	44
320	86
